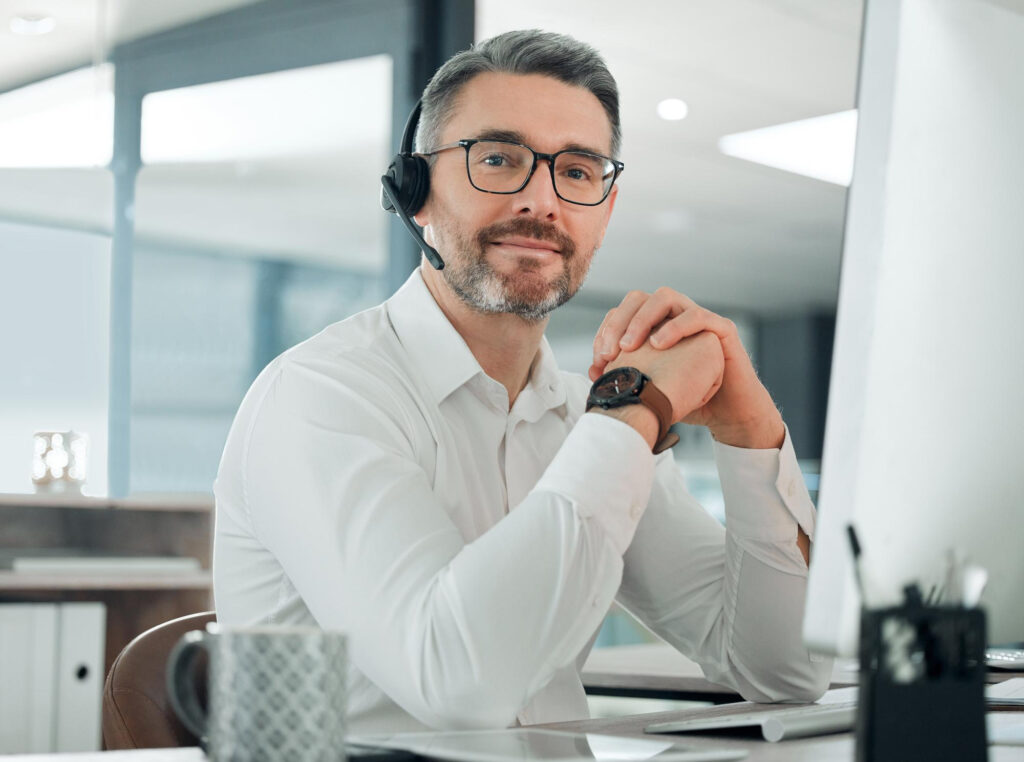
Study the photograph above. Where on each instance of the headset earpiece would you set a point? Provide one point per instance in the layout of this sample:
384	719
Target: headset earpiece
405	186
411	176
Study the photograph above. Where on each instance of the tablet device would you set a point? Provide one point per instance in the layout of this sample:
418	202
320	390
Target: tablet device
529	745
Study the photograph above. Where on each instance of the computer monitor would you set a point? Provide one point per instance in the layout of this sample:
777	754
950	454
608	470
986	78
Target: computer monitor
924	436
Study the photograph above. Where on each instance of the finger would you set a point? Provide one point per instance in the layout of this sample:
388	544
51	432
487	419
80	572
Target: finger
606	344
599	344
604	352
691	322
664	304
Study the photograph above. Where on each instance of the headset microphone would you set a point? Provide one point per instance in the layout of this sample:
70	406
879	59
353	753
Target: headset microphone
390	196
405	186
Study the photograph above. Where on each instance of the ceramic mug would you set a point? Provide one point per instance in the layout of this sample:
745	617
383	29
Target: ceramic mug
274	692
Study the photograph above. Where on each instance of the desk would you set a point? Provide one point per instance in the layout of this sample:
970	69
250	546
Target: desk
831	748
189	754
834	748
654	665
656	670
651	670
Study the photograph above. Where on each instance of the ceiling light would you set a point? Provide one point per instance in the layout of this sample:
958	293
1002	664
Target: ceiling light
68	120
821	147
63	121
269	116
673	109
32	25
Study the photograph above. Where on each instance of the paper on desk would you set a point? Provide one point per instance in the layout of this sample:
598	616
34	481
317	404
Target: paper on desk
1007	693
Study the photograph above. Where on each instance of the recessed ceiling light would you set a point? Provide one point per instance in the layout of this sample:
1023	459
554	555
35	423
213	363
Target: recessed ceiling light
673	109
820	147
31	25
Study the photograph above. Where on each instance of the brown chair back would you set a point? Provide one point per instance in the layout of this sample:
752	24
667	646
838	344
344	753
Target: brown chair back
136	711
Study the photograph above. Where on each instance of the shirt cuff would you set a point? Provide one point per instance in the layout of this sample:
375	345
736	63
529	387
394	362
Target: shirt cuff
764	491
606	469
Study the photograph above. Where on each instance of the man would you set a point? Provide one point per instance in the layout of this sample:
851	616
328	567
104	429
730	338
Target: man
423	477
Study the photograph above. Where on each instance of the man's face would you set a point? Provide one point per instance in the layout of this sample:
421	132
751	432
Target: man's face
528	252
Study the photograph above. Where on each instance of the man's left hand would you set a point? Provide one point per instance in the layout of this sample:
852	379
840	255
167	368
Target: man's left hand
742	413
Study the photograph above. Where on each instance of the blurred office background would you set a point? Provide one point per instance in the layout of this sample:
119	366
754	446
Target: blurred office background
146	280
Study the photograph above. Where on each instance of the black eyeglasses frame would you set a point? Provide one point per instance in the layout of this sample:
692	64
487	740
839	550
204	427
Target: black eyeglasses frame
468	143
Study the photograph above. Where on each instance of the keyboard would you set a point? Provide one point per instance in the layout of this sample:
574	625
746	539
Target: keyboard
776	723
1005	658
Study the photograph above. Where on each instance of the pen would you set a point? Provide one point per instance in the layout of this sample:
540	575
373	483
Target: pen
851	534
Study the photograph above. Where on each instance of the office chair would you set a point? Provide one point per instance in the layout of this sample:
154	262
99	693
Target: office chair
136	711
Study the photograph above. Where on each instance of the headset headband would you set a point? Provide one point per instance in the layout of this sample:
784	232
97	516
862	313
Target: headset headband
410	128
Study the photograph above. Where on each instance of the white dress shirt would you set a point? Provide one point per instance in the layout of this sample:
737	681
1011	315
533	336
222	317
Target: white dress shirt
375	481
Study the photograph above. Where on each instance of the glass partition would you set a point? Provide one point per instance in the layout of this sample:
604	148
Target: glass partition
54	309
56	203
256	225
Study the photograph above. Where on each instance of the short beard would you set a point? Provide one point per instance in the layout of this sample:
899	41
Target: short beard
485	290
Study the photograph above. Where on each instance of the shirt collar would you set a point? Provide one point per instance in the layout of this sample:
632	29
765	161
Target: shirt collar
546	379
438	352
442	356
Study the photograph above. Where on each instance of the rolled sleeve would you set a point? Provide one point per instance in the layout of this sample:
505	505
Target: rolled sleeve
765	496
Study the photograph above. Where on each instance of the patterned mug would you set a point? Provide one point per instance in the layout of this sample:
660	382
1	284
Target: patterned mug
274	692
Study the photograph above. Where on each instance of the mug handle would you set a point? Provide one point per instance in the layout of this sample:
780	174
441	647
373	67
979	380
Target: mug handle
181	685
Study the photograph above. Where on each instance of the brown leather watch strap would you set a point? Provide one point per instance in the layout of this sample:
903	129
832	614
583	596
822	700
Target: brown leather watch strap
653	398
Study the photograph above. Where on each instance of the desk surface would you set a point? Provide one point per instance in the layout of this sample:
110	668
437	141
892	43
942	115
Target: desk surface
633	667
656	670
831	748
187	754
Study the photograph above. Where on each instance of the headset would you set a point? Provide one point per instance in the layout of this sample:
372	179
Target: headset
406	184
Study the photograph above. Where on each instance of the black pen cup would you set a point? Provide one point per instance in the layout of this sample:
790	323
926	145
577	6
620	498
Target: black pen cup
922	684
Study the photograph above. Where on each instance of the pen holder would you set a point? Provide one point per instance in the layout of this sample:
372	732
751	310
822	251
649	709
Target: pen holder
922	684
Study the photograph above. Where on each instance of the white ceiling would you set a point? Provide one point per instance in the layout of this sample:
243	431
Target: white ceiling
85	28
734	235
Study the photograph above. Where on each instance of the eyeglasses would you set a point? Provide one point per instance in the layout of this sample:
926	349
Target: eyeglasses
499	166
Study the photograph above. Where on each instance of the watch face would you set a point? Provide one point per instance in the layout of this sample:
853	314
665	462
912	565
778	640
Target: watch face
616	384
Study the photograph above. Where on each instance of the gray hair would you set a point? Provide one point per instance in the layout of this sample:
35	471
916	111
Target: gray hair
528	51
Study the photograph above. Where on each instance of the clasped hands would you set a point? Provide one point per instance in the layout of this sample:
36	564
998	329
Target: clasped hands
696	358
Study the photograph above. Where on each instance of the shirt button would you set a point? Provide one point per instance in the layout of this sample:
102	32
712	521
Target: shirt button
635	511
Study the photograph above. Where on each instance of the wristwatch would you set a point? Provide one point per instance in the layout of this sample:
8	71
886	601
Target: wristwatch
631	386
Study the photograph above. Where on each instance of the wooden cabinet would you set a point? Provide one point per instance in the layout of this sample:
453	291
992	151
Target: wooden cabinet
167	526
